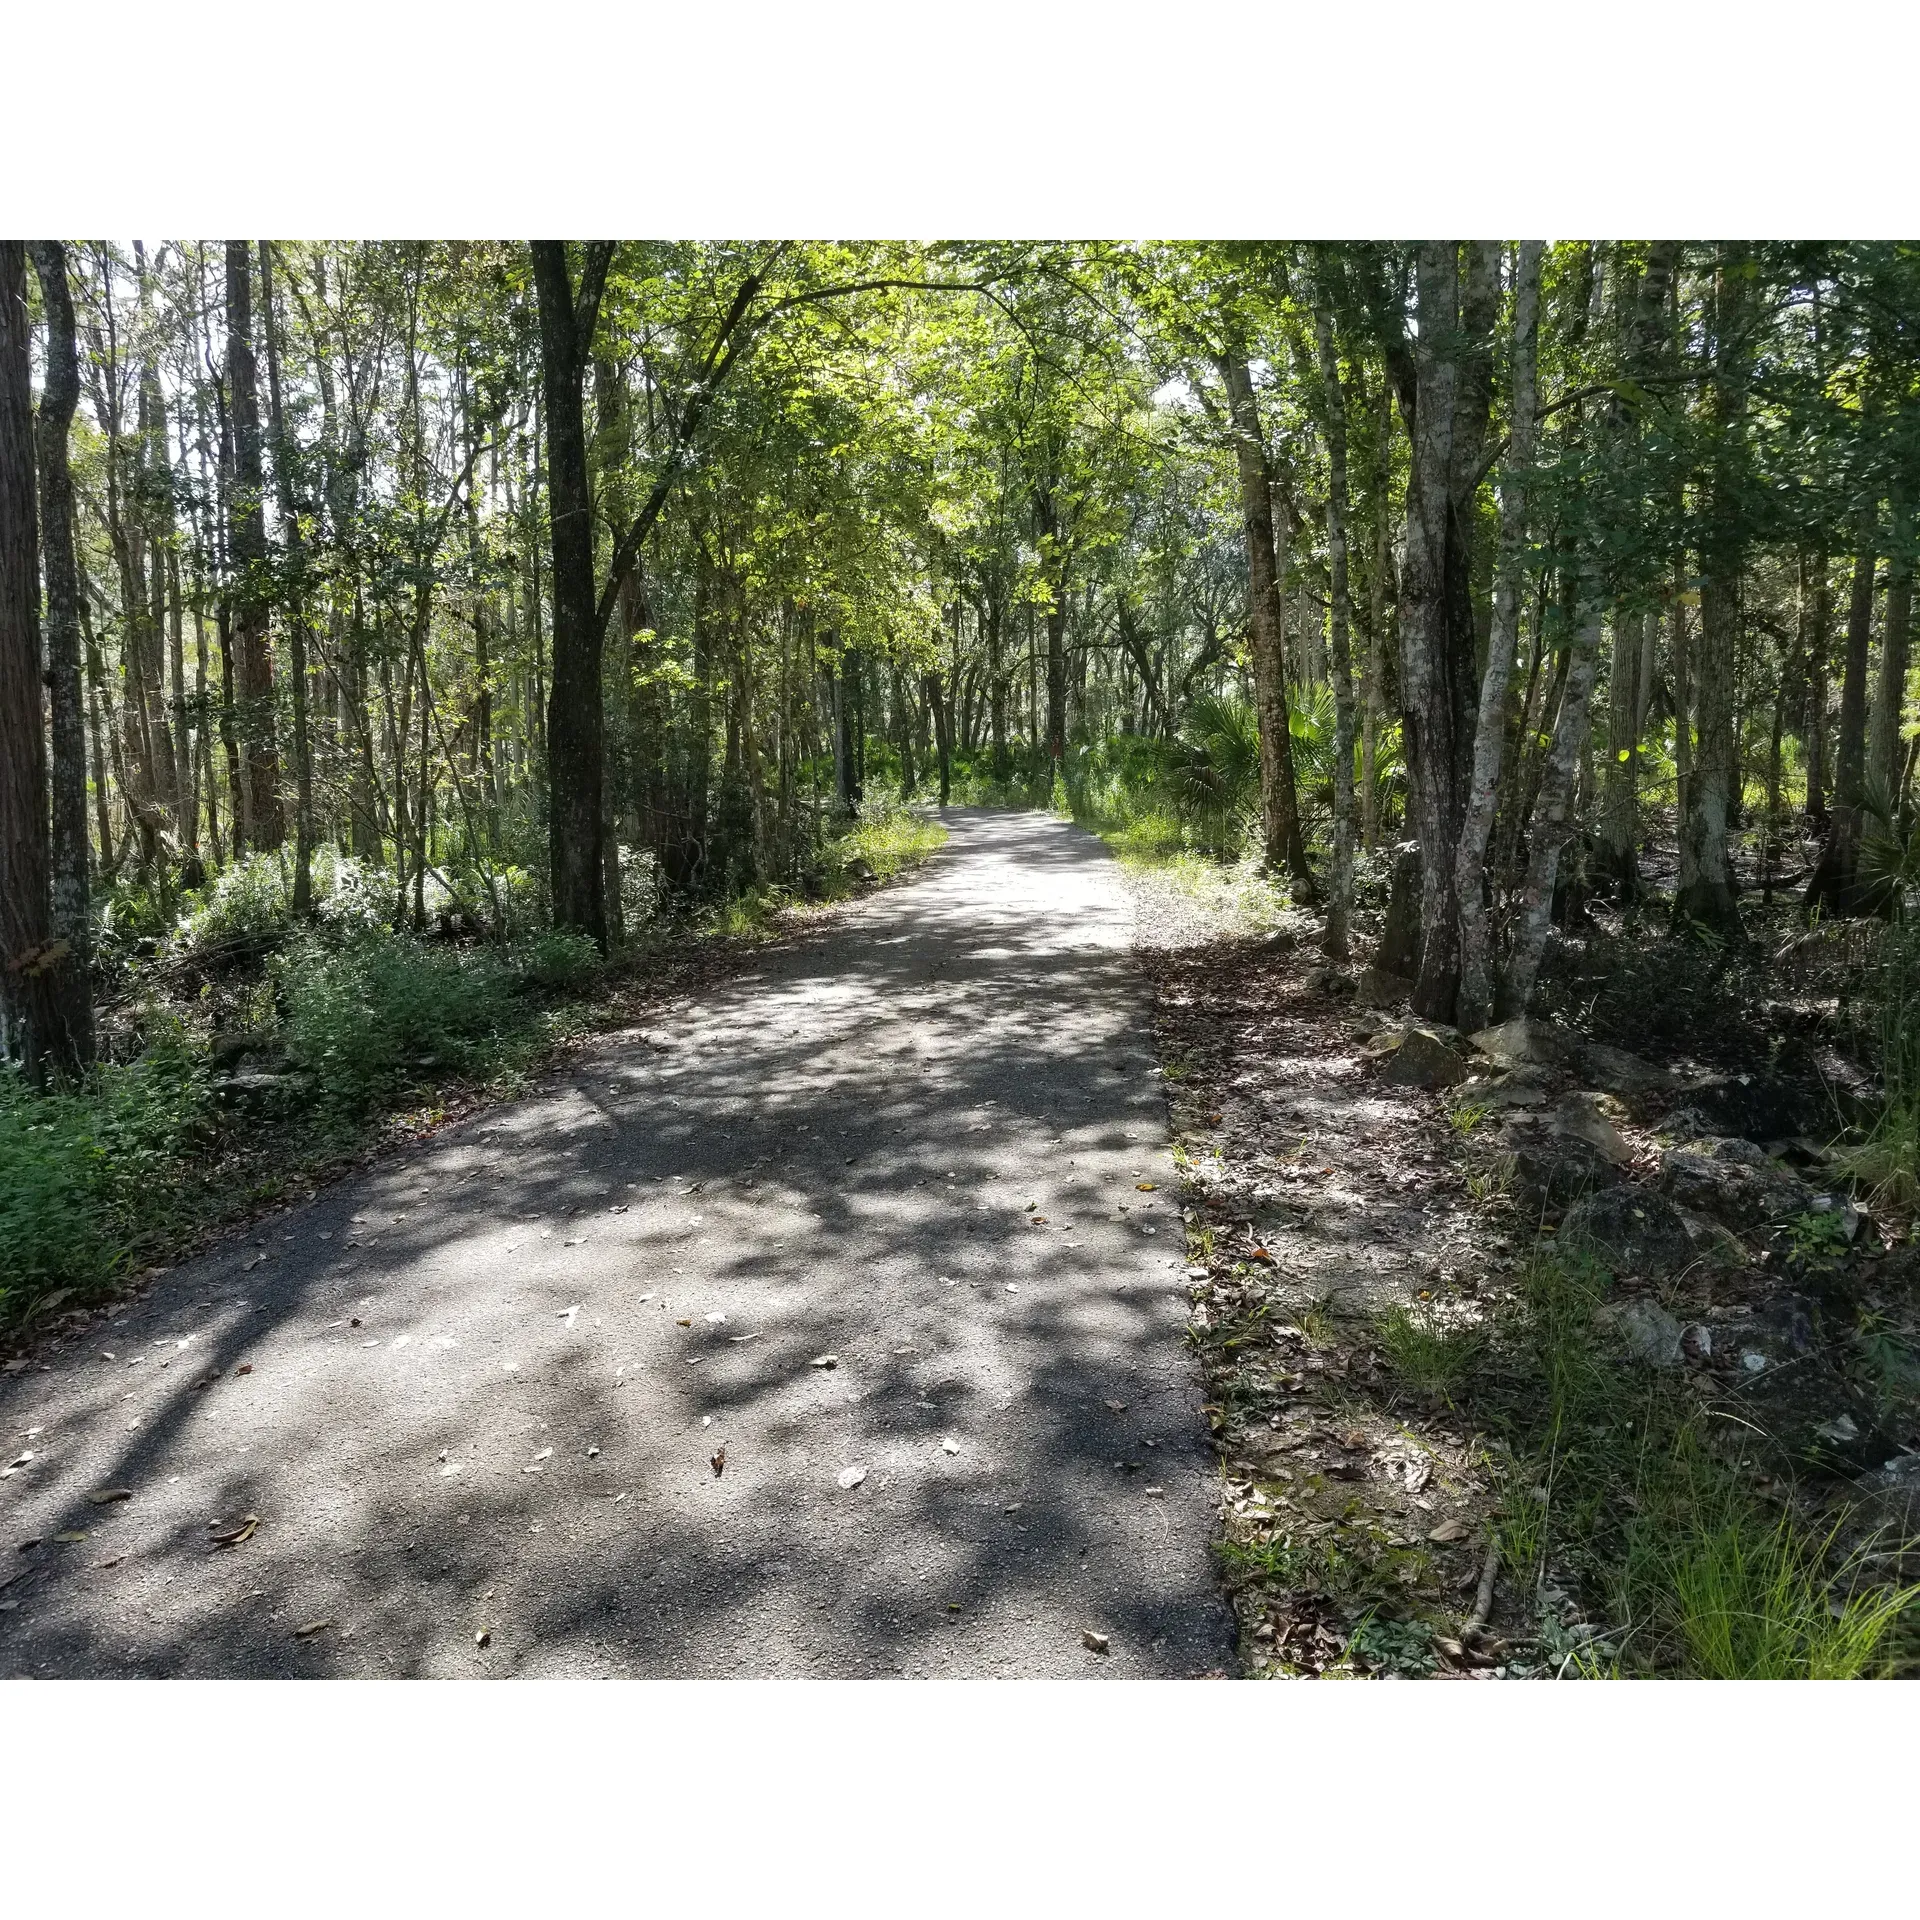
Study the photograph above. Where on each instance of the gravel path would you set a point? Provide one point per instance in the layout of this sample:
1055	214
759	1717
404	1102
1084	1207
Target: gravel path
472	1397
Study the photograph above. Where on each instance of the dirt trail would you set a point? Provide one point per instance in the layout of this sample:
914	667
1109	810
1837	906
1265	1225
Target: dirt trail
473	1396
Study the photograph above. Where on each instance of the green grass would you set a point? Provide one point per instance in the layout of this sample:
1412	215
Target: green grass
1430	1357
1617	1474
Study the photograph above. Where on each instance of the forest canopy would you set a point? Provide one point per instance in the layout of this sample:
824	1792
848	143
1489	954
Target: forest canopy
513	584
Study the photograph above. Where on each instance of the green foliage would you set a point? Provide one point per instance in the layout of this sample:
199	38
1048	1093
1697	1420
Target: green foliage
91	1177
366	1018
558	960
1213	770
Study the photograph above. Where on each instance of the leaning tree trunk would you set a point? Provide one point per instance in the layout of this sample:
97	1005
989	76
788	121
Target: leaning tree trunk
1475	998
1340	880
1279	806
72	911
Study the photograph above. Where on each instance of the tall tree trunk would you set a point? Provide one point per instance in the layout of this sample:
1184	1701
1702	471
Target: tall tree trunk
1450	400
1885	748
1340	879
1816	604
1279	806
298	598
1553	818
253	657
1373	695
1835	886
1620	789
575	722
1706	894
31	1030
69	892
1470	878
942	733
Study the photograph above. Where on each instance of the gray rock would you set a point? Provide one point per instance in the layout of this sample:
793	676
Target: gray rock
1650	1333
1530	1042
1633	1230
1733	1181
1586	1117
1377	987
1618	1071
1551	1169
1423	1059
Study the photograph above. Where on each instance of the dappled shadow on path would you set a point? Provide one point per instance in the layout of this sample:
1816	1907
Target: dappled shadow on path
842	1152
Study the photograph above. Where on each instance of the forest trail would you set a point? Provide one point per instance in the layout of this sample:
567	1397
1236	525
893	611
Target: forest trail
473	1395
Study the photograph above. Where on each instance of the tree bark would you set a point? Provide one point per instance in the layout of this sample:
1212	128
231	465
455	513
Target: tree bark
1885	748
1450	402
247	540
1285	849
297	598
70	893
1340	620
30	955
1706	894
575	722
1620	789
1475	997
1835	886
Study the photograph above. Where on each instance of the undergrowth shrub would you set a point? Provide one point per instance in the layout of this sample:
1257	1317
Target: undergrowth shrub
558	960
90	1177
367	1017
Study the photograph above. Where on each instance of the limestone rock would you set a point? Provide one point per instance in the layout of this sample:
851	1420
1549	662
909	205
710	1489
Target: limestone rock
1377	987
1586	1116
1529	1042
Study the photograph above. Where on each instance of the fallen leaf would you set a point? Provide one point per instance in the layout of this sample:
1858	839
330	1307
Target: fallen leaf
571	1313
1116	1406
827	1361
683	1323
851	1476
245	1366
234	1533
593	1453
1156	1491
718	1461
1146	1186
1449	1530
545	1453
716	1319
107	1496
311	1628
481	1638
949	1445
450	1469
72	1535
99	1566
1095	1642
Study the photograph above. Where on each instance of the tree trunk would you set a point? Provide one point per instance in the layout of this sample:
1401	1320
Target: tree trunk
1885	748
1279	806
1373	699
1475	997
253	658
69	892
1620	795
1450	399
1817	610
1553	819
297	598
942	733
30	956
575	722
1835	886
1340	880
